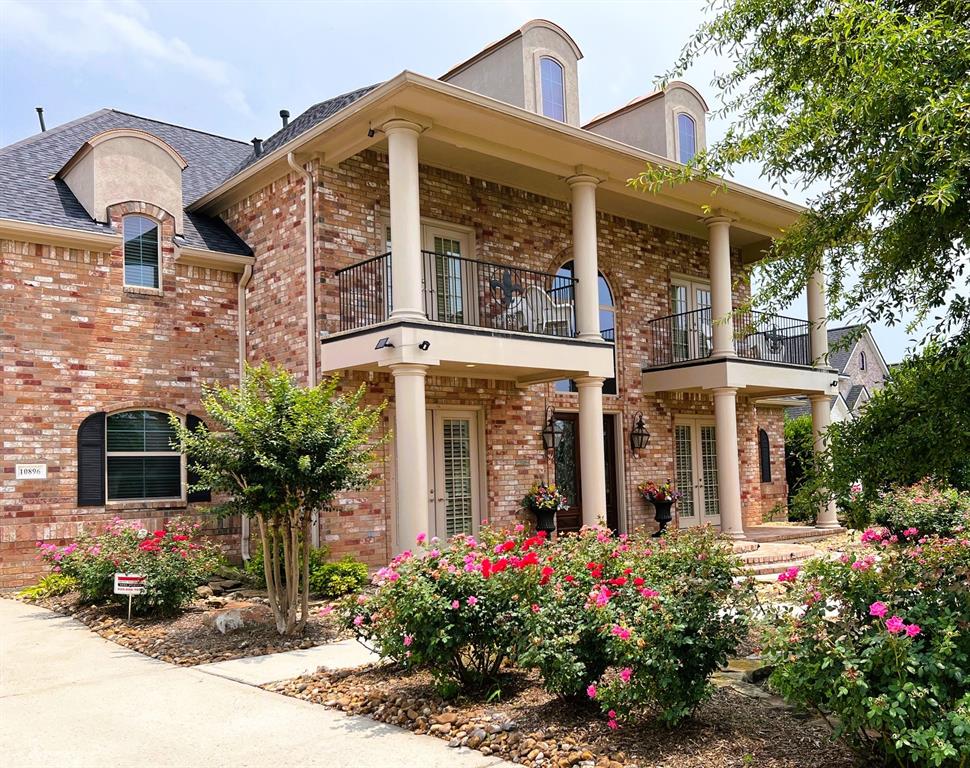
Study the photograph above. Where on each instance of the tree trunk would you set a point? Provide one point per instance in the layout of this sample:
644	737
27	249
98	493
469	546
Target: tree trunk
267	538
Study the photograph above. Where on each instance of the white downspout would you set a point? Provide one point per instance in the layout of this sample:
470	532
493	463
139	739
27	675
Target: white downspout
311	311
241	286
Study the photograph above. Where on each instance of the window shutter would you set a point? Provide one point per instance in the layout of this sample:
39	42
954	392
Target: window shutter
90	461
764	449
192	422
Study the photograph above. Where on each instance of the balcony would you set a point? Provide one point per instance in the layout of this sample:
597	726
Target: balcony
460	291
481	320
772	355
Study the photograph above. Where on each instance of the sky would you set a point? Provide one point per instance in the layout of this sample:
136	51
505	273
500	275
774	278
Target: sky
229	67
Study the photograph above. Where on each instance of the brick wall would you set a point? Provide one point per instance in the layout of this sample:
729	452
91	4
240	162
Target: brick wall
74	341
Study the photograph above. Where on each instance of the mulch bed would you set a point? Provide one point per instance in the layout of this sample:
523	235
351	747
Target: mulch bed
531	727
183	639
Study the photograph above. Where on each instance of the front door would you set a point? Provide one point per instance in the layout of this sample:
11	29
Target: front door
690	307
695	471
568	477
454	472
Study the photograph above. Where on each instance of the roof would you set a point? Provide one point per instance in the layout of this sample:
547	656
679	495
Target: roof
840	345
28	193
852	397
804	407
301	124
639	100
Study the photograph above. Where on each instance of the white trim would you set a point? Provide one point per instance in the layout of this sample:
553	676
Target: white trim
25	231
538	55
124	266
200	257
183	463
676	113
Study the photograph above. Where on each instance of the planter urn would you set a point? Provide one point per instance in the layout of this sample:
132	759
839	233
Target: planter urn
545	520
662	514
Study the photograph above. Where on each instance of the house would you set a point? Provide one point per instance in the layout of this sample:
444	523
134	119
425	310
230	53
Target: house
465	245
862	370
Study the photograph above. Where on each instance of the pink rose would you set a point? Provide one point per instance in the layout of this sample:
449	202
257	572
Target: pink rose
625	674
455	605
878	609
894	625
591	691
912	630
408	639
621	632
472	600
422	537
358	620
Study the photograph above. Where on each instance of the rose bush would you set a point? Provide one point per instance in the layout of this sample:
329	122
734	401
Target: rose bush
928	507
882	641
636	623
455	608
175	559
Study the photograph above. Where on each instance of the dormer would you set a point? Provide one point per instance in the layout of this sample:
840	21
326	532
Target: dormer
125	165
669	122
534	68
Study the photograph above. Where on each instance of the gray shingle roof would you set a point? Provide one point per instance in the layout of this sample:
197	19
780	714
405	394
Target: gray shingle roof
27	193
841	353
852	397
304	122
805	407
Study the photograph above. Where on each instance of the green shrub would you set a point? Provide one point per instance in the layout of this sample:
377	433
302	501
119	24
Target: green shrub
339	578
925	508
175	559
800	469
254	565
51	585
456	610
882	643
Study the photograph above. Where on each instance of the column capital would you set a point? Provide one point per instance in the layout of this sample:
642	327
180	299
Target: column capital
401	125
589	381
725	391
718	217
408	369
818	396
583	180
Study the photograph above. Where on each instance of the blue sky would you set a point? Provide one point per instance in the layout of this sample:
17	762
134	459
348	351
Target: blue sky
229	67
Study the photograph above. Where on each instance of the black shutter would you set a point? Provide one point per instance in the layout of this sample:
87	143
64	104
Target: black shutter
192	422
764	450
90	461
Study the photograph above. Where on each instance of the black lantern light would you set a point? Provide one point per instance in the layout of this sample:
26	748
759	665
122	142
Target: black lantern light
552	431
639	437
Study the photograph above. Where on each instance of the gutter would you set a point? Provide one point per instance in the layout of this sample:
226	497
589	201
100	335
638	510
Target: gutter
311	304
241	286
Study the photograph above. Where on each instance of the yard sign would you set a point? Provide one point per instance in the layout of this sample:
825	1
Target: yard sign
130	584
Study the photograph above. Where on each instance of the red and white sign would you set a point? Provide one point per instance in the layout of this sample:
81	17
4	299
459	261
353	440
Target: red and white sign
130	584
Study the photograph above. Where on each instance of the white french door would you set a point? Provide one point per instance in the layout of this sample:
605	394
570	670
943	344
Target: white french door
449	276
691	325
695	471
454	472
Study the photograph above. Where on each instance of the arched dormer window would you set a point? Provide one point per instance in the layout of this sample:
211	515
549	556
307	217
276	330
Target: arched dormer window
607	314
764	455
142	251
552	88
862	361
686	137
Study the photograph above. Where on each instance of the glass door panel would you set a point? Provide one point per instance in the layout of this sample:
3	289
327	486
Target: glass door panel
454	472
684	473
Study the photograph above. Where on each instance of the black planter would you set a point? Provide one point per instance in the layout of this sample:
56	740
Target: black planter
662	515
545	520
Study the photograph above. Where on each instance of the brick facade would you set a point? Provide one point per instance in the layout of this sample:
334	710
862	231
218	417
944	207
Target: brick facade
75	340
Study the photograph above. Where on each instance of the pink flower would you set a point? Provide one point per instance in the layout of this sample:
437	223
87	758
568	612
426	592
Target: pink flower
472	600
894	625
455	605
791	574
535	608
591	691
878	609
910	532
422	537
621	632
912	630
326	610
408	639
358	620
625	674
612	719
647	592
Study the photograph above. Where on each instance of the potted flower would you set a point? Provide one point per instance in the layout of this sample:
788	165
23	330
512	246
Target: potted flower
544	500
662	497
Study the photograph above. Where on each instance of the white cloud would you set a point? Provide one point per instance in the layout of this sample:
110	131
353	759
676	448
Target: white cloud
117	31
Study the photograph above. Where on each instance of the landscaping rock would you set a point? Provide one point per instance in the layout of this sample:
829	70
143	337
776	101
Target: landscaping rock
237	615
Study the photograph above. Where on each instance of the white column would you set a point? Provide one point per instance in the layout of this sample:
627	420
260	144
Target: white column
719	246
402	154
585	261
411	452
728	469
817	320
821	418
592	469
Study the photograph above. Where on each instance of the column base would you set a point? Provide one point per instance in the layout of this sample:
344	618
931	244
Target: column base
827	526
736	535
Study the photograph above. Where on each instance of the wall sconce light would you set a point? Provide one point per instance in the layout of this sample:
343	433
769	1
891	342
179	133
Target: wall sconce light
384	343
639	437
552	431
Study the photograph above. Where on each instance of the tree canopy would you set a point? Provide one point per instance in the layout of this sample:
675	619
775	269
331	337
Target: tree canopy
866	105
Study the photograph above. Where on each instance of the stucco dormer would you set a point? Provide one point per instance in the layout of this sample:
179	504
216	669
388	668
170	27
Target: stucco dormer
124	165
539	55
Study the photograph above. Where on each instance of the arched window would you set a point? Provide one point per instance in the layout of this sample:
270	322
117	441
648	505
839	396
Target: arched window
862	361
764	454
552	90
686	137
607	314
141	251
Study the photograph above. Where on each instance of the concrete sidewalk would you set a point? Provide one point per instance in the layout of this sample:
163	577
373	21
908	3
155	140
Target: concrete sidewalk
72	699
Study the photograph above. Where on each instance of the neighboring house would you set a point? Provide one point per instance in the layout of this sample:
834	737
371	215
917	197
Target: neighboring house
862	370
464	246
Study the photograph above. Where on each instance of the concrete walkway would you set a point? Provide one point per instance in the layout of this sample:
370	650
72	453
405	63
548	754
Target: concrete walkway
72	699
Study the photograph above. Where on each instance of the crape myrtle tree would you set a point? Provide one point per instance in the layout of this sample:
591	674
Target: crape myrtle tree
280	452
865	104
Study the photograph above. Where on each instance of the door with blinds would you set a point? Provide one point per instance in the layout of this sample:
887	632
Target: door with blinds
691	329
449	277
454	472
695	471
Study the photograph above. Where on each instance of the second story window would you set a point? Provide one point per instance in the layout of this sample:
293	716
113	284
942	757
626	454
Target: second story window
552	89
686	137
141	252
862	361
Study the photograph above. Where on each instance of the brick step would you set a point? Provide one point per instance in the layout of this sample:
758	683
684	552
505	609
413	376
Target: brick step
773	534
770	571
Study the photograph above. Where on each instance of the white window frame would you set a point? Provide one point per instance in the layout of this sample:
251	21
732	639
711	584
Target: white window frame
183	464
539	56
158	255
693	118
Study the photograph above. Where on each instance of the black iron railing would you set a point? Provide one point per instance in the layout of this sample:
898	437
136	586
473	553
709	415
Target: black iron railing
689	336
463	292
